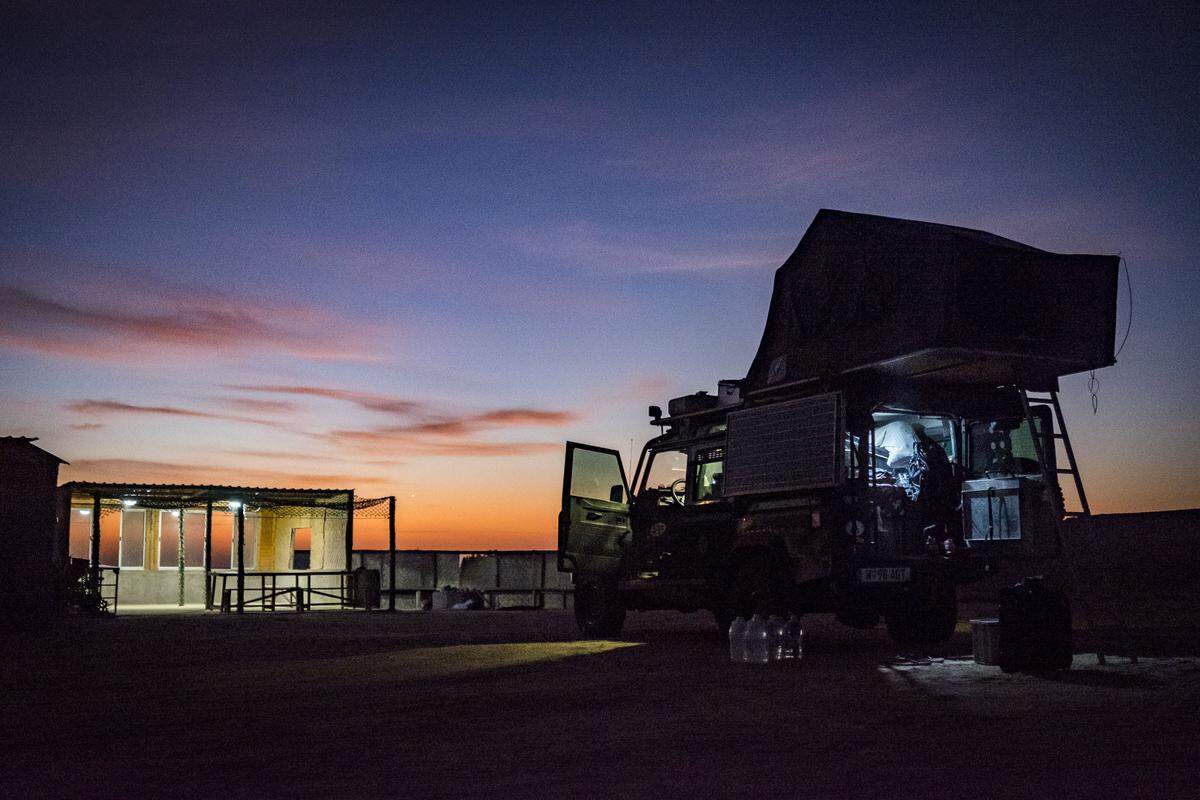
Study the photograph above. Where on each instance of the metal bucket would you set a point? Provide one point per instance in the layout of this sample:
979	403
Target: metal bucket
985	641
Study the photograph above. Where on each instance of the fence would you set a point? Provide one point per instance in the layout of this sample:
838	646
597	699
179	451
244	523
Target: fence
266	591
110	589
507	578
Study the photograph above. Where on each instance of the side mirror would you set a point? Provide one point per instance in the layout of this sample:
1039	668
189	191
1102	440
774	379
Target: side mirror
617	494
655	413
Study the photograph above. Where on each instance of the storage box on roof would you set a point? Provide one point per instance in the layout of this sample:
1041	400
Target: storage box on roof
910	299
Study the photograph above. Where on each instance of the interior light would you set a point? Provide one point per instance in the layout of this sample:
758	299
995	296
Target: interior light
84	511
235	503
128	503
174	513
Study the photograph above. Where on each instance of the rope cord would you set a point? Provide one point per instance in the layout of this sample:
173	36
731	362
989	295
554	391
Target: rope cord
1128	322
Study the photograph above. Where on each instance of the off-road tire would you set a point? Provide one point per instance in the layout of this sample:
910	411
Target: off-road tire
926	617
599	613
862	618
759	586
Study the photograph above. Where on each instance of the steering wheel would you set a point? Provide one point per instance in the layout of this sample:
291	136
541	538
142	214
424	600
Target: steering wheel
677	490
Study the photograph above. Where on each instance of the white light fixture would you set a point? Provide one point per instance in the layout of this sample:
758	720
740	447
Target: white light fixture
235	503
128	503
174	513
84	511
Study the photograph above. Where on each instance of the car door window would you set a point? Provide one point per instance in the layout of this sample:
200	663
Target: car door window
596	475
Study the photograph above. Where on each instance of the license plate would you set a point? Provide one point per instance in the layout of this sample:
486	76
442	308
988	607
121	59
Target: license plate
884	575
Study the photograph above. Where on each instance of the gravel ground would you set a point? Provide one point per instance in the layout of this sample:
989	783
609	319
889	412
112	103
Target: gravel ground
509	704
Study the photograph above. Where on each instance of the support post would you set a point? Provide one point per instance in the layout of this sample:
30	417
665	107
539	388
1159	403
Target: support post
241	554
349	528
94	550
181	560
392	553
207	552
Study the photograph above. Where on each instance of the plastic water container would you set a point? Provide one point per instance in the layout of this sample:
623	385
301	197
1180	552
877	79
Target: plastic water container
985	641
776	641
793	637
758	643
737	640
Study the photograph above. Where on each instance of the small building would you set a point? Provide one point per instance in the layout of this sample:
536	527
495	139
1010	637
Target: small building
191	544
30	560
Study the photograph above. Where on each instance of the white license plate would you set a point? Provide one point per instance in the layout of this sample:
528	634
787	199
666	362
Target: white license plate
884	575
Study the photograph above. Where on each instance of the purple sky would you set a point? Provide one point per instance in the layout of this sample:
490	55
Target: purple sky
412	249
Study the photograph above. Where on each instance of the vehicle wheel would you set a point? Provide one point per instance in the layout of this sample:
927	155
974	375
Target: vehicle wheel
927	617
598	610
861	617
758	586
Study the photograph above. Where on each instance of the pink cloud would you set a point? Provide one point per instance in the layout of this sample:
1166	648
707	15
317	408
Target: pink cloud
371	402
154	322
109	407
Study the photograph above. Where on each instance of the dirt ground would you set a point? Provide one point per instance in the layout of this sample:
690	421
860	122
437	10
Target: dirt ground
508	704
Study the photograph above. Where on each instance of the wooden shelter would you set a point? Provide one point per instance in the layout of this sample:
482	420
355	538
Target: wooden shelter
235	545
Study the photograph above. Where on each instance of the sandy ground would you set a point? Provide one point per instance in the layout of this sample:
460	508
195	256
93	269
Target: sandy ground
509	704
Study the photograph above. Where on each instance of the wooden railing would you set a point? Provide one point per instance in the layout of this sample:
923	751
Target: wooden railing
114	585
268	591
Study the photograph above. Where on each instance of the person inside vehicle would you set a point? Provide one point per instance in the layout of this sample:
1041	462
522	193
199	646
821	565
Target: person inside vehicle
922	469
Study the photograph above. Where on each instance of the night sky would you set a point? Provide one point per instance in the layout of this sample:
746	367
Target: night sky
412	249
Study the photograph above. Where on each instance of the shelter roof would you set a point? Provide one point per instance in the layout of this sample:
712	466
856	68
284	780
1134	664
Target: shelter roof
26	443
174	495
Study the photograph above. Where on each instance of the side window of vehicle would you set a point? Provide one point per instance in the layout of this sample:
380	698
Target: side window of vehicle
667	468
710	473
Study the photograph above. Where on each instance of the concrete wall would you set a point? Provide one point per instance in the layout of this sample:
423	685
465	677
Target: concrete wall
521	571
159	587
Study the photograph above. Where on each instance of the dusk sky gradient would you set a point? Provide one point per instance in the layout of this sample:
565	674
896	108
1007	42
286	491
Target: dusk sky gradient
412	248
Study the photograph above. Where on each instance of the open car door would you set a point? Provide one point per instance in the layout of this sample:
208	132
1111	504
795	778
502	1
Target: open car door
593	524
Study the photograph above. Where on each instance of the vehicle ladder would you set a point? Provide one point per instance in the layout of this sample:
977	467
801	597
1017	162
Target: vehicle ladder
1089	592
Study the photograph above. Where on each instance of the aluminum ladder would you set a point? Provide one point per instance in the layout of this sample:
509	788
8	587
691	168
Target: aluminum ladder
1087	591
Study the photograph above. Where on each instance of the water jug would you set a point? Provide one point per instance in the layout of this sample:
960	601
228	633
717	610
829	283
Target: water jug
757	641
737	640
776	638
793	637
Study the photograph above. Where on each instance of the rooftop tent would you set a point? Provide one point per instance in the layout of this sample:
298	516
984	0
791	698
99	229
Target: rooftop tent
906	299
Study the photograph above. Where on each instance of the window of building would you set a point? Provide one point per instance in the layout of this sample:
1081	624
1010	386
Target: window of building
168	539
133	539
301	548
251	528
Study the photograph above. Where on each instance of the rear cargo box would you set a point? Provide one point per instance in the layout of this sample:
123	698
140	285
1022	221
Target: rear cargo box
1012	511
918	300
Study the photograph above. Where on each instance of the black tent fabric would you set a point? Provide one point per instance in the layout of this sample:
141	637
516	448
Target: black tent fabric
918	300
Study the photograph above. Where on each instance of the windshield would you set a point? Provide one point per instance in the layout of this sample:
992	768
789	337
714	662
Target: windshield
897	435
666	467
